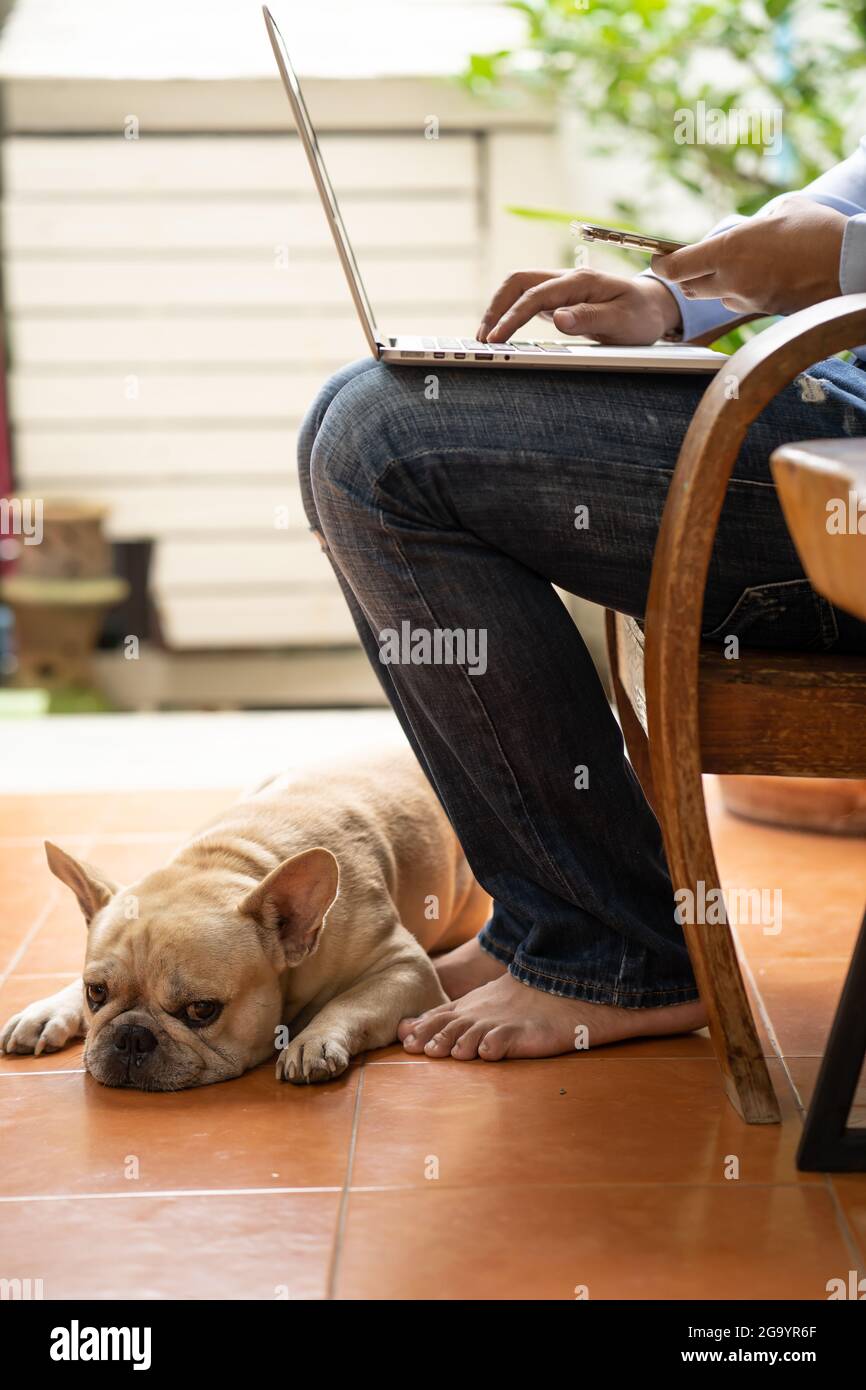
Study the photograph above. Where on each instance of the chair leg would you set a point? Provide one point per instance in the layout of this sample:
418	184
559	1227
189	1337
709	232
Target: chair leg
636	741
829	1144
745	1074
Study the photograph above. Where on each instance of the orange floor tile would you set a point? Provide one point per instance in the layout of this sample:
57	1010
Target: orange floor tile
412	1178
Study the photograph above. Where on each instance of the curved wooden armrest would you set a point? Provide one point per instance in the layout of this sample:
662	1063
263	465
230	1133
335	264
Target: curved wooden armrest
713	334
736	396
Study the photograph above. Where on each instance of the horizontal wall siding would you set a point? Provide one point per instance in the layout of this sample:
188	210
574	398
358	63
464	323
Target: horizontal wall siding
173	305
91	340
235	165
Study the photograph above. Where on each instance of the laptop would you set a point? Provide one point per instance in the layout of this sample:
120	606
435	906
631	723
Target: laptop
407	350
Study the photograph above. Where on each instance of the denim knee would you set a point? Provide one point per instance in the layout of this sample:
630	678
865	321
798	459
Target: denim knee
311	425
354	443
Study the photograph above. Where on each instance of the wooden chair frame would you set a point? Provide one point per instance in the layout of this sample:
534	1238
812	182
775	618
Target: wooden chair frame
664	736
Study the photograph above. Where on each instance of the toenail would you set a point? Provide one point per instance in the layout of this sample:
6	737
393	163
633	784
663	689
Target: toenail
410	1037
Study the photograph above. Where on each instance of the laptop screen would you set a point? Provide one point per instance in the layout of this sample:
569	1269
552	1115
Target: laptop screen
307	134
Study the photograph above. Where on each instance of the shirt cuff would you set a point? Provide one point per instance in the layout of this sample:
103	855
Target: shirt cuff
698	316
852	263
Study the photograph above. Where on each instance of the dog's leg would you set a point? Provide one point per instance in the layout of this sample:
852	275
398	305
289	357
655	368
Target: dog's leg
365	1017
47	1025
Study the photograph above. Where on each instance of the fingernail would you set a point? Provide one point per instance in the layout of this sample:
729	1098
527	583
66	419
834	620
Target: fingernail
566	320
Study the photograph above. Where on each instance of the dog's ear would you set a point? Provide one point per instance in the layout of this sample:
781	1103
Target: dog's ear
90	886
294	900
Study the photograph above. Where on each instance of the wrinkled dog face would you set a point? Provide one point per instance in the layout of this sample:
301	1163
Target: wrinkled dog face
183	973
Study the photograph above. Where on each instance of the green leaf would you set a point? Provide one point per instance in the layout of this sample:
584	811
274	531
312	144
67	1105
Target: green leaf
553	215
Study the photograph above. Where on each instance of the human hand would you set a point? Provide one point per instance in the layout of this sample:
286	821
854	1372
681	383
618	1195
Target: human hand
609	308
773	264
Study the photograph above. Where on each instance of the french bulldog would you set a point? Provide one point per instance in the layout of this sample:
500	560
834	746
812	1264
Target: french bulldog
298	921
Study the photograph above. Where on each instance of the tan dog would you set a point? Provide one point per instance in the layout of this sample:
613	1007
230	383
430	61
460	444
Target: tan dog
250	940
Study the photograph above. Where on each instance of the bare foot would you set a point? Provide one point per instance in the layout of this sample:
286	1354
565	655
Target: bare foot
505	1018
467	967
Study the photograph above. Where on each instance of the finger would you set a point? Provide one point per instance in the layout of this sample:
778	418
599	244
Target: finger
604	321
739	305
552	294
703	287
510	290
690	262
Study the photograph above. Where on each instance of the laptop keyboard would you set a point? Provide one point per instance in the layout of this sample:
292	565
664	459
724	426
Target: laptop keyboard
458	345
472	345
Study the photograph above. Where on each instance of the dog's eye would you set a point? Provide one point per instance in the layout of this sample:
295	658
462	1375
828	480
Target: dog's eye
96	995
201	1011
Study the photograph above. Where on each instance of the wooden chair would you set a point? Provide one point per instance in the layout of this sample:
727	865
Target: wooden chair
685	709
812	478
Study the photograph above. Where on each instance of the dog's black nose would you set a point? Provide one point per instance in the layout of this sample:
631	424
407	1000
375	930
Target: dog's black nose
134	1041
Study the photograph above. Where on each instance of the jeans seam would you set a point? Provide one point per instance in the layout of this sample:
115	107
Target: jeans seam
493	948
594	984
545	454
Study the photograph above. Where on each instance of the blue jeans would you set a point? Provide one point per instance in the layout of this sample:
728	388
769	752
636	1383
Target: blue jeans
451	504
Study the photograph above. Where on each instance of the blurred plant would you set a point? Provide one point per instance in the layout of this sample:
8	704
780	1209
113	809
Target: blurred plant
630	66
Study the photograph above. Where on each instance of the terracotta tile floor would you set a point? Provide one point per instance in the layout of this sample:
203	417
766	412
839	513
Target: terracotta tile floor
410	1178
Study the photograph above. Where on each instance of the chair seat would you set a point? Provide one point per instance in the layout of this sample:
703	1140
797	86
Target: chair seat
798	714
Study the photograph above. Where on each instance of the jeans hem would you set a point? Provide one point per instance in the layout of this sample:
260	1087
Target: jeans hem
594	993
500	953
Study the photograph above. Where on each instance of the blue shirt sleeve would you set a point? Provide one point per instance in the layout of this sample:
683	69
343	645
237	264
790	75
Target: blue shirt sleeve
852	268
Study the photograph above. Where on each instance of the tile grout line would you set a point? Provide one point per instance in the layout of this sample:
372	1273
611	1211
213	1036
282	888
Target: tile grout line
43	1071
165	1192
848	1235
342	1214
34	1074
764	1014
41	918
31	934
403	1188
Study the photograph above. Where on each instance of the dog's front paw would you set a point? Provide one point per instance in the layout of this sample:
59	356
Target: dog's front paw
45	1026
312	1057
